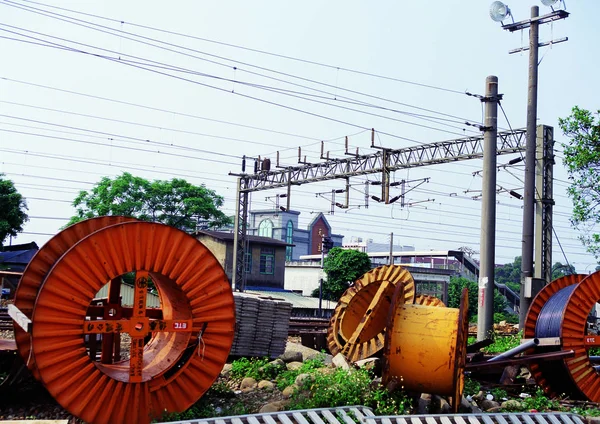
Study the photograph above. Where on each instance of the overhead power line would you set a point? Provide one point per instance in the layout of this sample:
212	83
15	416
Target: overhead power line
120	22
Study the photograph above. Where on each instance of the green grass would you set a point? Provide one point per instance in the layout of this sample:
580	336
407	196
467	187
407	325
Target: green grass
501	343
288	377
349	387
248	367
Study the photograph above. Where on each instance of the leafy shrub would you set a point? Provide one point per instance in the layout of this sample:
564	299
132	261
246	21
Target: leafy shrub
499	393
472	387
504	343
287	378
348	387
540	402
247	367
509	318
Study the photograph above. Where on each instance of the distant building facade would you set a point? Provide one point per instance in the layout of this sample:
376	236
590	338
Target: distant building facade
283	226
264	262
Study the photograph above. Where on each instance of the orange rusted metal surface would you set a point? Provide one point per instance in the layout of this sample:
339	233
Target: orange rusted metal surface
425	347
574	336
186	347
357	327
37	269
426	300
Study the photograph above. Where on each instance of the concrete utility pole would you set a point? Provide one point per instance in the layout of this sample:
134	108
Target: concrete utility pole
528	291
391	262
529	190
485	310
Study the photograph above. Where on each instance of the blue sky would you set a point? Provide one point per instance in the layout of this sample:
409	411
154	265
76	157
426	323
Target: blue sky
196	122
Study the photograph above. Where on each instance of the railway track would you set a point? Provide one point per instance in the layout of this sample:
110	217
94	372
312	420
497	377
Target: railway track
307	325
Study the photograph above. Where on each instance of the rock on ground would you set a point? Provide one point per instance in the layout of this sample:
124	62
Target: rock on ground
248	384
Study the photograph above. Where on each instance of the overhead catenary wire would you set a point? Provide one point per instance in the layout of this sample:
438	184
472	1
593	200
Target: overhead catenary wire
120	32
539	196
121	22
151	65
317	115
364	130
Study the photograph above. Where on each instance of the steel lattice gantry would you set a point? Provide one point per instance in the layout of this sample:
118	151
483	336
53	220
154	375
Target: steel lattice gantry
384	161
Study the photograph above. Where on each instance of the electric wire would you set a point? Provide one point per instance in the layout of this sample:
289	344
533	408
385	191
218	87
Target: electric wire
145	66
253	50
536	189
336	97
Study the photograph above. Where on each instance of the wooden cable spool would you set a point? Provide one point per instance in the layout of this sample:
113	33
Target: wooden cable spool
561	311
189	337
357	327
425	347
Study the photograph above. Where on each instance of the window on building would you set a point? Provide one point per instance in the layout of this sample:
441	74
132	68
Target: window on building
265	228
267	260
248	263
289	238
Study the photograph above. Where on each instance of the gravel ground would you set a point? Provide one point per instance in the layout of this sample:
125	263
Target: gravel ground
30	400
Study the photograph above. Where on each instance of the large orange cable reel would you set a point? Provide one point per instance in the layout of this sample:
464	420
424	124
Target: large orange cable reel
188	345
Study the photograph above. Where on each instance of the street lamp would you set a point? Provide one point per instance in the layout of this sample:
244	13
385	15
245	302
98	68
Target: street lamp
498	12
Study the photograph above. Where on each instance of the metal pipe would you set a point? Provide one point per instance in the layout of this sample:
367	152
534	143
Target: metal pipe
516	350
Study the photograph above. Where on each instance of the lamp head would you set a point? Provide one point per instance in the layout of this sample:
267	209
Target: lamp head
551	3
499	11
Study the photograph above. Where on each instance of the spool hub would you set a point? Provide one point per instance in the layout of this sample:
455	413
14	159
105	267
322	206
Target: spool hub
357	327
187	346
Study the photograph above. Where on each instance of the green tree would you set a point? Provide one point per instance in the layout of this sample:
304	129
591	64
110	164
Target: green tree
455	288
175	202
342	267
12	210
582	159
560	270
509	274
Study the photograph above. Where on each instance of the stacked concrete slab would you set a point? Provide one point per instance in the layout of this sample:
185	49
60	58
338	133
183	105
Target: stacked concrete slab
262	325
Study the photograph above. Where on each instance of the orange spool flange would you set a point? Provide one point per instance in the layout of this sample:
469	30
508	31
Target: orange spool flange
553	379
574	336
426	300
37	269
357	327
188	345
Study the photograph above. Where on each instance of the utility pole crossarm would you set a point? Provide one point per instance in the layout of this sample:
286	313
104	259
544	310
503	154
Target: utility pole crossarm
409	157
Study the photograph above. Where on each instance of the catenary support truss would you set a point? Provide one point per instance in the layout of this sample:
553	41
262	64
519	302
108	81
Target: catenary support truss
383	161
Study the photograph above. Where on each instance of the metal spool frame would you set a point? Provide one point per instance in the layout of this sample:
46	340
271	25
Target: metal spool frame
357	327
188	344
426	346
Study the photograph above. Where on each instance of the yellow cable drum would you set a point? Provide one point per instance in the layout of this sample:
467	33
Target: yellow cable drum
425	347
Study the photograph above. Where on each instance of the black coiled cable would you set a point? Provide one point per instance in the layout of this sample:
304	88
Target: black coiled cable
549	321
